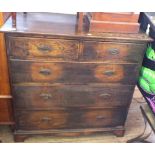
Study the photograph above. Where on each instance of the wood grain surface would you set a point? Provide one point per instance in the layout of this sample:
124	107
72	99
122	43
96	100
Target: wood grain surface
63	96
112	52
70	83
68	72
52	49
69	119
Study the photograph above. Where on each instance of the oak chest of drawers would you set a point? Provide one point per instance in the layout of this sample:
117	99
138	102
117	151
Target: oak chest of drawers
69	83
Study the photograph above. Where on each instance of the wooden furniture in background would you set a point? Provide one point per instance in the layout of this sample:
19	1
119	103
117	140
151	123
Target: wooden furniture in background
13	15
119	22
70	83
80	21
5	104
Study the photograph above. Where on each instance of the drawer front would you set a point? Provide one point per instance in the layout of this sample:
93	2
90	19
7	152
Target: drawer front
62	96
53	49
48	72
111	52
70	119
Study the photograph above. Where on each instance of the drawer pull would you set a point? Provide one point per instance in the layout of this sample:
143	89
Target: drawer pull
46	96
44	48
45	71
26	52
46	119
113	51
100	117
105	95
109	73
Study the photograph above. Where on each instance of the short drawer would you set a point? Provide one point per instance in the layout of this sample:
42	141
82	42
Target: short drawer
62	96
41	48
112	52
69	119
73	73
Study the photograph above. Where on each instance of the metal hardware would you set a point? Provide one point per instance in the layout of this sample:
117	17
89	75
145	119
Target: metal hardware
45	71
44	48
45	96
109	72
105	95
100	117
47	119
113	51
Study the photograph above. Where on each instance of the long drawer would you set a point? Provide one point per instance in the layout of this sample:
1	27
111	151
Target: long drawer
52	49
69	119
63	96
68	72
112	52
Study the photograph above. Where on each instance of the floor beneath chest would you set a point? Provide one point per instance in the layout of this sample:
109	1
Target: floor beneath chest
134	126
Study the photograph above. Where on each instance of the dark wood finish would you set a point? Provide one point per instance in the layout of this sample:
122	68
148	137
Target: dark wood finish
70	91
115	16
72	73
5	103
20	136
56	49
52	49
112	52
64	96
47	25
69	119
119	133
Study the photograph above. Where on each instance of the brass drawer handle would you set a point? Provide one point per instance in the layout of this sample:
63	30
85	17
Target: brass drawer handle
45	71
45	96
100	117
109	72
46	119
105	95
113	51
44	48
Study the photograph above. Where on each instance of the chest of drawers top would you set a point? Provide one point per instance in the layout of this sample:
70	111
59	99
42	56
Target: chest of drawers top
62	26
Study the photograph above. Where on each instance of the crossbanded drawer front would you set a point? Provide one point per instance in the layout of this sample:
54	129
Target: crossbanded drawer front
63	96
73	73
53	49
70	119
112	52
